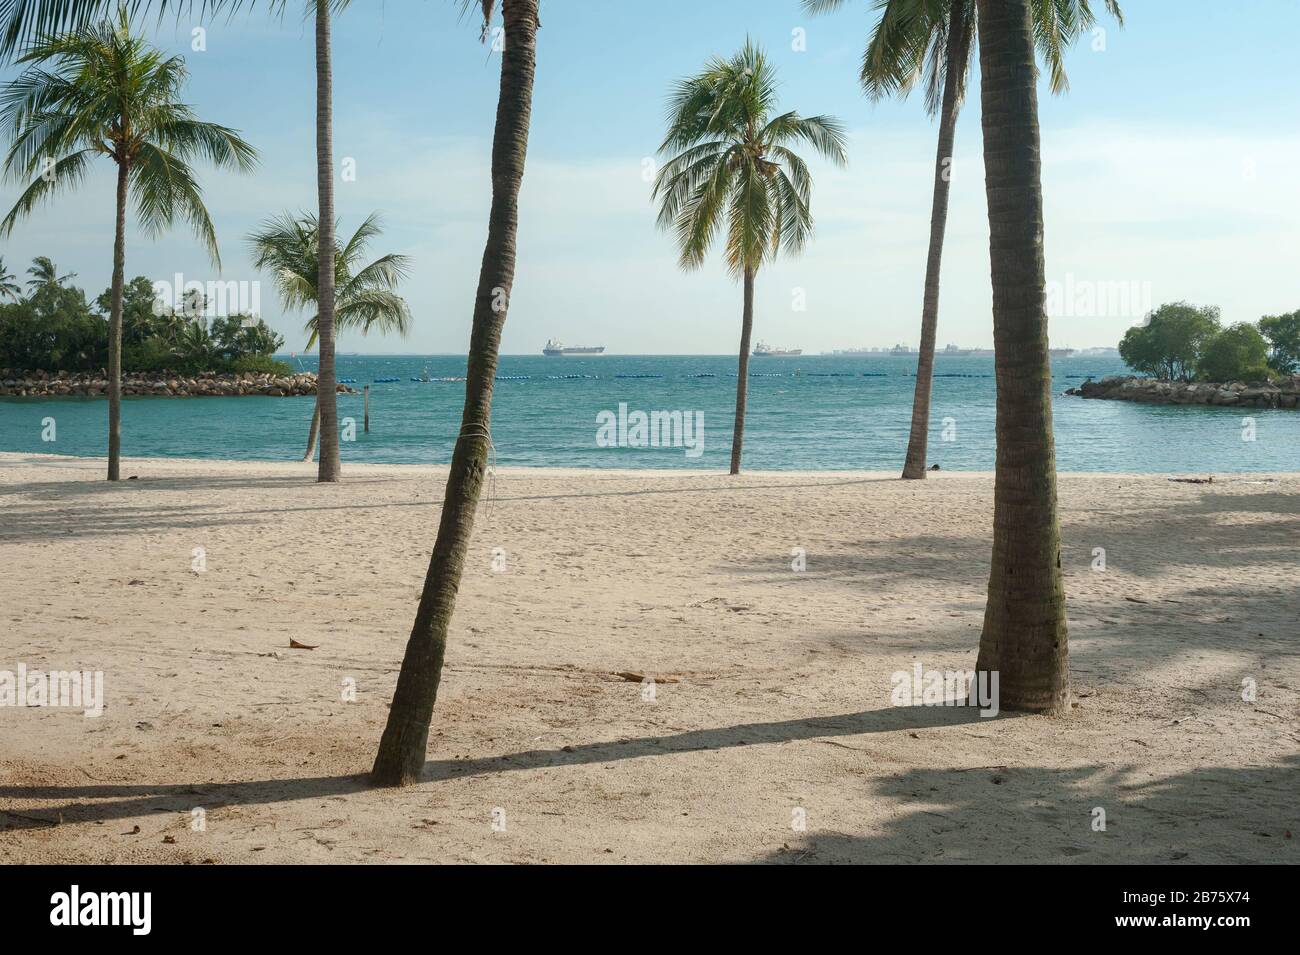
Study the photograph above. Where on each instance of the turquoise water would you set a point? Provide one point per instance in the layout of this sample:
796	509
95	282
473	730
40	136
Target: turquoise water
809	412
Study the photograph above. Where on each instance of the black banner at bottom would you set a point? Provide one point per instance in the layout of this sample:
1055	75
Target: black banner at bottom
303	903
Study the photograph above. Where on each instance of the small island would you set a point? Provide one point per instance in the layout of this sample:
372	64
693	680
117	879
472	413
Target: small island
1185	356
54	343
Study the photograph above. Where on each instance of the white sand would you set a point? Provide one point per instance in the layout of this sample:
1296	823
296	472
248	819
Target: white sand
782	692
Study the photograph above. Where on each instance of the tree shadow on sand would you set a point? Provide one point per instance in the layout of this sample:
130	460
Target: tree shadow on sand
134	799
1210	814
951	814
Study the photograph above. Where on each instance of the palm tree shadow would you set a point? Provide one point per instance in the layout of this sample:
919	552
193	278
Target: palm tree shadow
1208	814
138	799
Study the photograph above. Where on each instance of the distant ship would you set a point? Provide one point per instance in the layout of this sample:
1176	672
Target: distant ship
902	350
762	350
555	348
954	350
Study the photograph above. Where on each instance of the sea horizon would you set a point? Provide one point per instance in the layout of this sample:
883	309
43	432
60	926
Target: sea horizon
820	413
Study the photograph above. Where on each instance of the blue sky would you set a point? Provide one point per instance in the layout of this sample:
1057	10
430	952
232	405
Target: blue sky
1168	174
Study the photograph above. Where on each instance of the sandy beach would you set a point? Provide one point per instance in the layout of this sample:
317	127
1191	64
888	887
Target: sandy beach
769	736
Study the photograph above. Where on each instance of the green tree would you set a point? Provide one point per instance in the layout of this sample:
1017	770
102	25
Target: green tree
52	329
930	42
734	170
196	347
1168	343
401	754
1283	334
1237	353
366	296
44	274
9	289
244	336
100	91
140	318
1024	636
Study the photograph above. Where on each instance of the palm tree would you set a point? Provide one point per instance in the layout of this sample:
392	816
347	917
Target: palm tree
8	287
20	18
931	41
733	161
195	344
1024	636
101	91
402	749
366	298
45	274
329	469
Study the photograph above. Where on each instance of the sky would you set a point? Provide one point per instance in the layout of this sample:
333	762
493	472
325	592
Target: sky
1168	174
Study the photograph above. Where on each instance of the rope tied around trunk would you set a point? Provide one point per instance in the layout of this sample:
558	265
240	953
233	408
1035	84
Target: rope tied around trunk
476	430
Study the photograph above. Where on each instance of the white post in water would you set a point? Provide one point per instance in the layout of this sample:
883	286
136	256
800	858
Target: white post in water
367	402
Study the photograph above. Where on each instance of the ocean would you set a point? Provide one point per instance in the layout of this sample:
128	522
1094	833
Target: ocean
811	412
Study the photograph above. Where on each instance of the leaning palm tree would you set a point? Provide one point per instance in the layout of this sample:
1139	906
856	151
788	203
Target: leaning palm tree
8	287
22	18
1024	635
734	163
45	274
366	295
402	749
99	91
930	41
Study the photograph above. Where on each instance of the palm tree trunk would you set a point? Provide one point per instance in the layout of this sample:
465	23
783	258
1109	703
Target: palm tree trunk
402	749
958	50
1024	636
315	424
742	372
115	331
326	385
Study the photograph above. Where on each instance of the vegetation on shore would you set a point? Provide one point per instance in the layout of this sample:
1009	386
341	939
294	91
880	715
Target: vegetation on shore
54	328
1183	342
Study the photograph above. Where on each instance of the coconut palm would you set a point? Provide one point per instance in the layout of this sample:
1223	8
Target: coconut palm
21	18
45	274
195	344
402	749
366	296
930	42
329	469
1024	635
734	163
8	287
100	91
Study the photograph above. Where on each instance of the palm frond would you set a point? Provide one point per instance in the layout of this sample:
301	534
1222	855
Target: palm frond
164	189
365	298
64	174
732	168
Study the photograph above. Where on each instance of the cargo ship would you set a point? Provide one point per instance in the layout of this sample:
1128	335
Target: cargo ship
555	348
762	350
